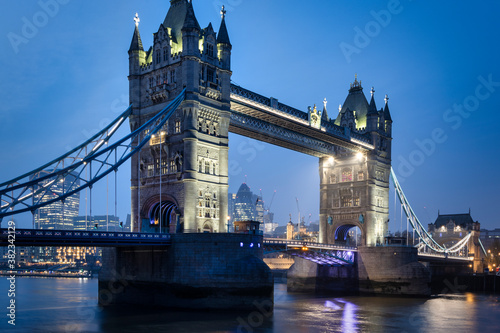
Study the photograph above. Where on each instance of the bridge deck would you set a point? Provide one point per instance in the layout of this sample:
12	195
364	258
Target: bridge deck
30	237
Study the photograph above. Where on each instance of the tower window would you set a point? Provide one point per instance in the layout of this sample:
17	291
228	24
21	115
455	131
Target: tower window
158	56
165	54
346	202
177	126
210	75
210	50
207	167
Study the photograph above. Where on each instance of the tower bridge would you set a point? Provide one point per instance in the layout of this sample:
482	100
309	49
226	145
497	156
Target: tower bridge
183	107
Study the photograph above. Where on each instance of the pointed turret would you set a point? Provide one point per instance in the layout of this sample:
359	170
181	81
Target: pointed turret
190	21
324	114
355	101
190	32
136	44
372	115
223	43
387	114
223	36
372	108
387	117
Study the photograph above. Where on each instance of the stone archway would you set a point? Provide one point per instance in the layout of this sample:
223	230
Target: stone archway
159	214
350	234
207	227
163	216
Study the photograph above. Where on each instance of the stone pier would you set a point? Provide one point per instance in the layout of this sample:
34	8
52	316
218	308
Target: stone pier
391	270
307	276
198	271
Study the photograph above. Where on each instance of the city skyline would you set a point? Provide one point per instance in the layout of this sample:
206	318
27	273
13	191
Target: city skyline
66	82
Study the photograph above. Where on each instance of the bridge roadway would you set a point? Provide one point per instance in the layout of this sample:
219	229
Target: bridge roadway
321	253
36	237
267	120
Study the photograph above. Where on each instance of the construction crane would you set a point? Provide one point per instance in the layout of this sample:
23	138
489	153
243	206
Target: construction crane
271	203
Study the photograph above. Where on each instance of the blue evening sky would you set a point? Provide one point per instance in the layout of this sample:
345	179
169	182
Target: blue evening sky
438	61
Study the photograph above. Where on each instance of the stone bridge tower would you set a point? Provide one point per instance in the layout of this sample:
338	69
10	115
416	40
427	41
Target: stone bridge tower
180	179
354	187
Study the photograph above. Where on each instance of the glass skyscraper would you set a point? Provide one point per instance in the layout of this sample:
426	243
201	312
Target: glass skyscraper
60	214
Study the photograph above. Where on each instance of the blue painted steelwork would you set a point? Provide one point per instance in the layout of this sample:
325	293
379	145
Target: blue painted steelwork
18	196
105	134
33	237
324	254
426	241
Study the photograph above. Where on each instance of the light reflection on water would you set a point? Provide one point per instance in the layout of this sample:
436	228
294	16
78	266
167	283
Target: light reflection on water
70	305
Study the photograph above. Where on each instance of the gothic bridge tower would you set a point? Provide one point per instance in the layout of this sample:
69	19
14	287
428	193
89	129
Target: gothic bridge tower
354	187
180	179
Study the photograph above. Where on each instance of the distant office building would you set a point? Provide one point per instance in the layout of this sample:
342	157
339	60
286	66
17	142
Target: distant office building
245	206
58	215
99	222
29	255
259	208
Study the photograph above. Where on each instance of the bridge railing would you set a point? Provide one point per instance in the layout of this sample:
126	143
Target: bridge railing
35	237
299	116
307	244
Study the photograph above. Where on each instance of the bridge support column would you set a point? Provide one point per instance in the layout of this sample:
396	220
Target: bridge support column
198	271
308	276
392	271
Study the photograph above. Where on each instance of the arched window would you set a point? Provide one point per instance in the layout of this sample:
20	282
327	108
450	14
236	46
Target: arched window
207	202
207	166
200	168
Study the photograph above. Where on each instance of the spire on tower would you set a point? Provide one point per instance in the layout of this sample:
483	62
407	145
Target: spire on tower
387	113
136	44
356	85
372	108
190	21
223	36
223	12
324	113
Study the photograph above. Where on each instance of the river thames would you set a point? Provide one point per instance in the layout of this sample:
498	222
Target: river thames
70	305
